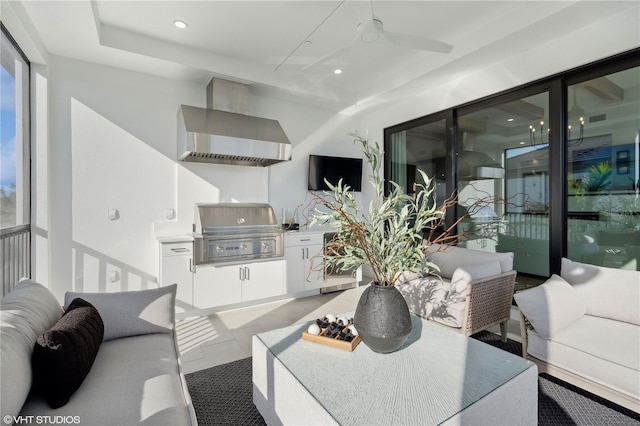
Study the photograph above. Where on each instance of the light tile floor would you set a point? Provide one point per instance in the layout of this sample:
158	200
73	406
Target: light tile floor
223	337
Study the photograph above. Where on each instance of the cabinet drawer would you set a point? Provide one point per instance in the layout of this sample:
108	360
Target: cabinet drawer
177	249
302	239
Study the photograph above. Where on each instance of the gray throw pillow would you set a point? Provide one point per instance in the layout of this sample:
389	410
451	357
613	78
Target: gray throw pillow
132	313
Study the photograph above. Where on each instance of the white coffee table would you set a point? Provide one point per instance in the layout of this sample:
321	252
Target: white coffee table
438	376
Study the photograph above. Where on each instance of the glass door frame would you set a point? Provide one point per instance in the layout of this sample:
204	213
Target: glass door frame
450	178
556	85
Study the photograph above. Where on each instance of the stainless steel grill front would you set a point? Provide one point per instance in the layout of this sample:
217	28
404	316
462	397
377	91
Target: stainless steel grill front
235	233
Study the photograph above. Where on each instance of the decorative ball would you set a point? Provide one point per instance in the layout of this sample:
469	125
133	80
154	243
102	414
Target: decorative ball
330	317
353	330
343	321
313	329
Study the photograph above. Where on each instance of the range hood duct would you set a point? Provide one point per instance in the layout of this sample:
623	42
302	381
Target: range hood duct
224	133
474	165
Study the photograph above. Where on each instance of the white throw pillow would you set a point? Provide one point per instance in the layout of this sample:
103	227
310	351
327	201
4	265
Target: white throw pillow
132	313
27	311
551	306
608	292
462	275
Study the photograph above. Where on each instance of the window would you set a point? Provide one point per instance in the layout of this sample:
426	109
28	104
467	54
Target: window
14	135
15	193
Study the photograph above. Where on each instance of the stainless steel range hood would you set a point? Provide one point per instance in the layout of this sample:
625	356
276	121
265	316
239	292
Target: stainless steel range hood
223	133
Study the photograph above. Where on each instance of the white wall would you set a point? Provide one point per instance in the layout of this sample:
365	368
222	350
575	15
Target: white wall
112	145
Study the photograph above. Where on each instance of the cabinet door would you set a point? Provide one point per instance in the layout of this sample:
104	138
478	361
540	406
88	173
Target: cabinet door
216	286
313	274
295	276
262	280
176	269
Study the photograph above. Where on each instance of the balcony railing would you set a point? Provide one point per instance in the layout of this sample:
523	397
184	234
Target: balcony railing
15	255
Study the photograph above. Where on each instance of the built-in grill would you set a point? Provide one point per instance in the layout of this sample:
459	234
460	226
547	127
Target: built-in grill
236	233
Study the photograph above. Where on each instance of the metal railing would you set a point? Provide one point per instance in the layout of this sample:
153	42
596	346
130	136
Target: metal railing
15	255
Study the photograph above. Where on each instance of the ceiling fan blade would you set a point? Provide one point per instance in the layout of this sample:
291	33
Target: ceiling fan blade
417	42
336	53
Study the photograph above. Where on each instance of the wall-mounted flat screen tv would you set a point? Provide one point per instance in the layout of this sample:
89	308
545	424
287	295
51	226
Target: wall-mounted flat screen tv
333	169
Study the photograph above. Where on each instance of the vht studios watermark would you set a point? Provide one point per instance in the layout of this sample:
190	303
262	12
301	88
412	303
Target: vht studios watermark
42	420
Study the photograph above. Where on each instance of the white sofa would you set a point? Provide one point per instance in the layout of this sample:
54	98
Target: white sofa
584	327
136	377
472	292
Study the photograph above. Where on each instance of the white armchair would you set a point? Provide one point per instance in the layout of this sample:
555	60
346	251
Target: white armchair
473	291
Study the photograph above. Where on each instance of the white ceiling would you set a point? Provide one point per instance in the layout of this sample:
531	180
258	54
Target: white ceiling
262	42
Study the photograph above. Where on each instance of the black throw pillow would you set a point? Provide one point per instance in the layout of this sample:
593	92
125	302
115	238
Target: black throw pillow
63	355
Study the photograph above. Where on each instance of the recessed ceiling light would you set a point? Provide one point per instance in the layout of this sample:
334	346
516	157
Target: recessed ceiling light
509	120
337	71
180	24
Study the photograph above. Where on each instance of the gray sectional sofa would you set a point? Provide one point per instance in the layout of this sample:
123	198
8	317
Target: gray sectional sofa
135	379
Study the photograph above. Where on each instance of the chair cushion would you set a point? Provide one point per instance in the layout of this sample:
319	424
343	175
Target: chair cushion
133	313
551	306
64	354
449	258
608	292
27	311
424	295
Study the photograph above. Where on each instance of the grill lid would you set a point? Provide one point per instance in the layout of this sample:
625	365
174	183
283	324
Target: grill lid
232	217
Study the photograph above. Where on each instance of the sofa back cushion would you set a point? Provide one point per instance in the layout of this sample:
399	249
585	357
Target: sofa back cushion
607	292
550	307
449	258
63	355
27	311
133	313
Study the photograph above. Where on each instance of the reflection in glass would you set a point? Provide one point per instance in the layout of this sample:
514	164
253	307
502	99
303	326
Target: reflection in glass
603	179
503	153
421	147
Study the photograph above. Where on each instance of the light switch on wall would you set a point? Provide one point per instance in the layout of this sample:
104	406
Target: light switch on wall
169	213
114	214
113	276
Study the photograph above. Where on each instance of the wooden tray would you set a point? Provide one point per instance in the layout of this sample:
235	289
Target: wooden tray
333	342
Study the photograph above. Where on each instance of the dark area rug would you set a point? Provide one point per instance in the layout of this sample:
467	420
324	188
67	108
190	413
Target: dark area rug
223	395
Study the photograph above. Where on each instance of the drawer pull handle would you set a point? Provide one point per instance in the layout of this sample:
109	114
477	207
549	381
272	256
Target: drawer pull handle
305	239
180	250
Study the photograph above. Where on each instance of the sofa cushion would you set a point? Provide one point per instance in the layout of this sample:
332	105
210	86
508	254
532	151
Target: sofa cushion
64	354
608	292
551	306
27	311
449	258
591	348
133	381
132	313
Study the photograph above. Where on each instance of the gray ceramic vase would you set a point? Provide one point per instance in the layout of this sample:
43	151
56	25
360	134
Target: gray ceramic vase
382	318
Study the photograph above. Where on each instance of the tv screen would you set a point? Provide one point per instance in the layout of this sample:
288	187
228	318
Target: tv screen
333	169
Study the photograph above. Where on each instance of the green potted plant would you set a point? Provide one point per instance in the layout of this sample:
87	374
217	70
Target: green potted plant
389	238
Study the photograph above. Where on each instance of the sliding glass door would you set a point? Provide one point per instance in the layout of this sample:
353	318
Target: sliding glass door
603	170
503	179
419	146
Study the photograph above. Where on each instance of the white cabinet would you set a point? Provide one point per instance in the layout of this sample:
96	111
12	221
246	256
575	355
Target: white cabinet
175	267
302	251
226	285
